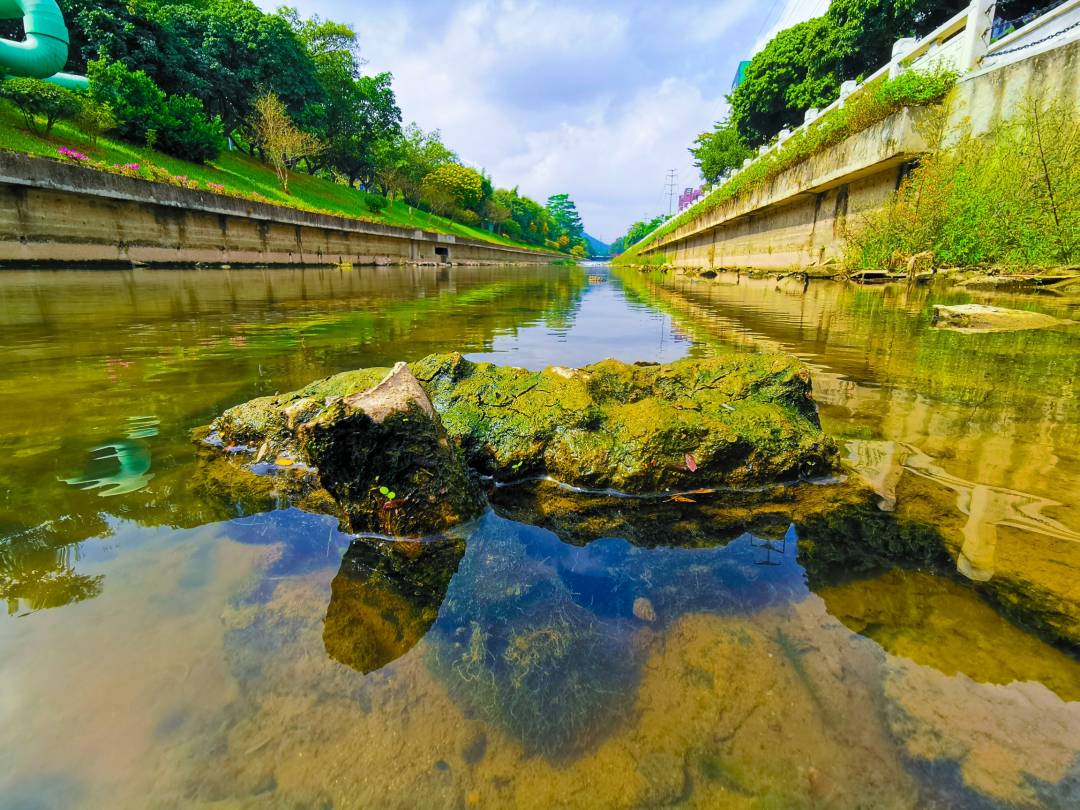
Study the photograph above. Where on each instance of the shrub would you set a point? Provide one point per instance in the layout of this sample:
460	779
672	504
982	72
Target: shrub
144	115
37	100
184	130
376	203
467	217
1009	198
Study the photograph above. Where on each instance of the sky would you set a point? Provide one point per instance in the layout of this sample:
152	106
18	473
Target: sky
596	98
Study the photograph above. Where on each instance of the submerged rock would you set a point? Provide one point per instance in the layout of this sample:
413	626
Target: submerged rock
734	420
982	318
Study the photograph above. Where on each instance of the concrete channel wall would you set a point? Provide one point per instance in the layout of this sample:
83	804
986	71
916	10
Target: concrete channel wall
57	214
799	218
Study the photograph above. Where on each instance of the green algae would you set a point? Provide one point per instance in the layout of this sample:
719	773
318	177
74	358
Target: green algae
734	420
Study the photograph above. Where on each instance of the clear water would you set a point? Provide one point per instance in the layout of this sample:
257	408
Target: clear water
167	647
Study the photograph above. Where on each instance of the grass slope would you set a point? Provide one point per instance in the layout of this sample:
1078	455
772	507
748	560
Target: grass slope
238	173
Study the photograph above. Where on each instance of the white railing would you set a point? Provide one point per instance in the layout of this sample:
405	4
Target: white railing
1059	25
962	43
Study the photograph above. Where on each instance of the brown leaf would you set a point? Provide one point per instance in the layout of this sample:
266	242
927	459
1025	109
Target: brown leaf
681	499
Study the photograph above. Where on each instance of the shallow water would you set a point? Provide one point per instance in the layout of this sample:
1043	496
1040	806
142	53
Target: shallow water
167	646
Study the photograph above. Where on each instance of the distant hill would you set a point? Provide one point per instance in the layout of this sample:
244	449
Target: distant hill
596	247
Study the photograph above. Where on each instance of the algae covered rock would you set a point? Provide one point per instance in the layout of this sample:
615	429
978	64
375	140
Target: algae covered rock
732	420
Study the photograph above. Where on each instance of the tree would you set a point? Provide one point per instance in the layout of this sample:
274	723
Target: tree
720	151
357	113
564	217
41	104
496	211
283	143
803	66
453	188
638	231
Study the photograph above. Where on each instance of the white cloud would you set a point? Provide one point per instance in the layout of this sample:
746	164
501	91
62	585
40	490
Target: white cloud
598	99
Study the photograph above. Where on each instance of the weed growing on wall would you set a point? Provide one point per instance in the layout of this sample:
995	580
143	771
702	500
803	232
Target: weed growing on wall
871	104
1009	198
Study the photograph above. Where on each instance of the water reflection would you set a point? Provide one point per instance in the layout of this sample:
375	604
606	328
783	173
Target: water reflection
976	435
790	647
385	597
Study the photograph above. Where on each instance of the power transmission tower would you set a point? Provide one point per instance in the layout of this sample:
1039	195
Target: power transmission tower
670	184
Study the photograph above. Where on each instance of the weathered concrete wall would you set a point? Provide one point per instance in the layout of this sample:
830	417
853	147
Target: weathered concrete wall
53	213
798	219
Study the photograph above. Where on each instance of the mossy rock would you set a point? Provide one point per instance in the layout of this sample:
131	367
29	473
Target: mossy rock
733	420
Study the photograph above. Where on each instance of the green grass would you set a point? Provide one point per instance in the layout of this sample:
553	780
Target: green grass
239	174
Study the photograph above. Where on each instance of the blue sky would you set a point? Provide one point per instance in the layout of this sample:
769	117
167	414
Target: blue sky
598	99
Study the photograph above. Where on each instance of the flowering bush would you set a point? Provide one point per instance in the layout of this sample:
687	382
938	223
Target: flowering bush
71	154
127	169
217	188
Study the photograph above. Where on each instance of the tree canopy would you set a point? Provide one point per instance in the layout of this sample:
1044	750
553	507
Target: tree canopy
803	66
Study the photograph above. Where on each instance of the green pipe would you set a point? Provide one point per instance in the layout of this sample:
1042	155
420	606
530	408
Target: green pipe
70	81
44	52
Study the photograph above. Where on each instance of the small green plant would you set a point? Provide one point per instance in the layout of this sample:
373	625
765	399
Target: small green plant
41	104
388	493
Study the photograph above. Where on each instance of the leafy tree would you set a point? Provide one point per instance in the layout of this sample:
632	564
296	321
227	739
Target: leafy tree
803	66
184	130
283	143
719	151
782	81
638	231
454	187
564	217
94	119
403	161
41	104
357	113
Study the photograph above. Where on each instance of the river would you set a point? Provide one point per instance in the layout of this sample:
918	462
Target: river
166	645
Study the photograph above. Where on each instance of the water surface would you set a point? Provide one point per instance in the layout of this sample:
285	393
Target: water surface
167	645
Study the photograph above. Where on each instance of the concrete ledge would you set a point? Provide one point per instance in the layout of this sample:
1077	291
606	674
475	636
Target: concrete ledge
57	213
880	148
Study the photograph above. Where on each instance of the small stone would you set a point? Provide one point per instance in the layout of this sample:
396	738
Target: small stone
644	610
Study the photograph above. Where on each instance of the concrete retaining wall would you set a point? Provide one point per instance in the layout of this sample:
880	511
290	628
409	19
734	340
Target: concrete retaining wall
799	218
52	213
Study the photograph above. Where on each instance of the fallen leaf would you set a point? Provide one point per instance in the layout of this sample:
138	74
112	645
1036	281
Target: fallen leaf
283	462
691	463
681	499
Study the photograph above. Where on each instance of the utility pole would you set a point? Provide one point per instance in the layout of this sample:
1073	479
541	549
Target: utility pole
670	184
